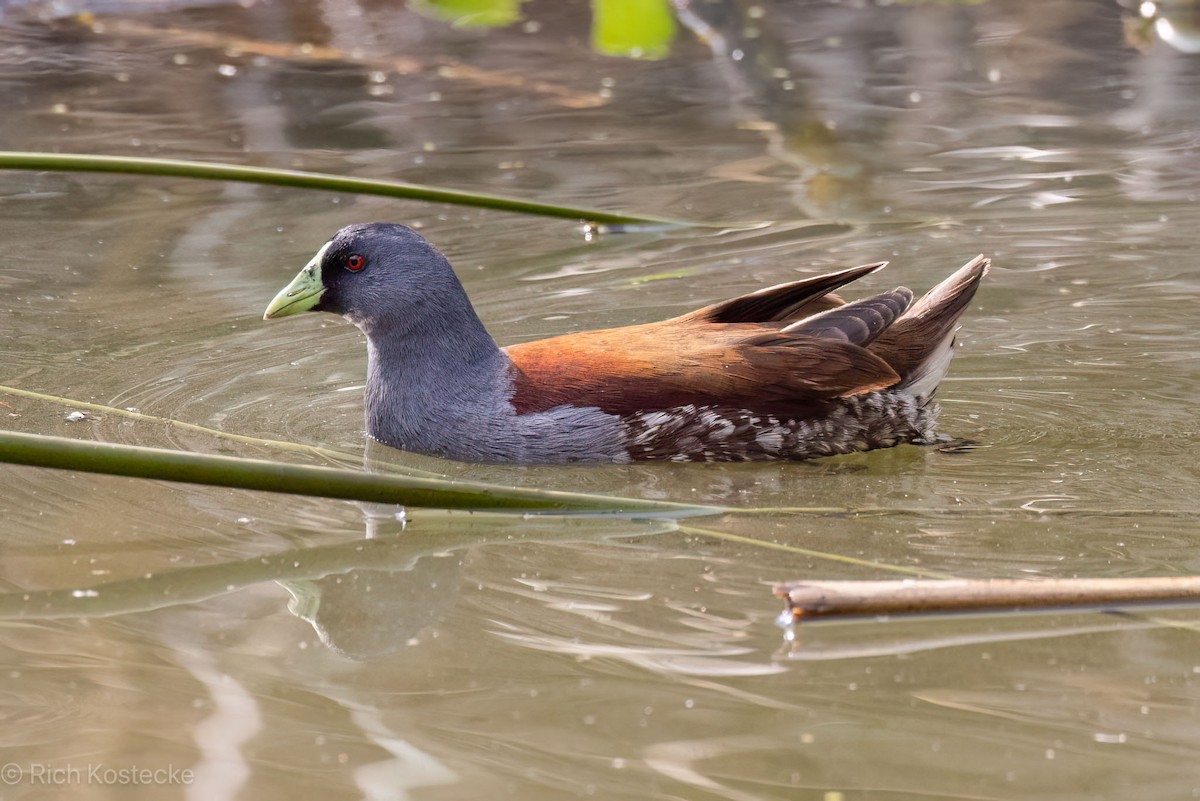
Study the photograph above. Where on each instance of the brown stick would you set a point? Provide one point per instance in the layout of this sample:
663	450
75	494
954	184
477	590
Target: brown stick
810	599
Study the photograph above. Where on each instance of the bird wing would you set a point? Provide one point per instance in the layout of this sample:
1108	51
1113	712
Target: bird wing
679	362
860	322
788	350
785	302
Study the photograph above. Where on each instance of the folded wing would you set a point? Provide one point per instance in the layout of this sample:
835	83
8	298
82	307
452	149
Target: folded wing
790	350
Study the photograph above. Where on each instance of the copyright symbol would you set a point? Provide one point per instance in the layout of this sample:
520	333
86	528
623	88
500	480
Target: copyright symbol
11	773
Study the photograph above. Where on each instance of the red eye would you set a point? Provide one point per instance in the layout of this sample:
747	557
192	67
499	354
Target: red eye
355	262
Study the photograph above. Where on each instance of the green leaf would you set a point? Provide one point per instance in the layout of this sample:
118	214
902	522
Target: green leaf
471	13
632	28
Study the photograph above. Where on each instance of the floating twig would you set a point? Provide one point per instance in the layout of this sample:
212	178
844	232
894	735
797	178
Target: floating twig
812	599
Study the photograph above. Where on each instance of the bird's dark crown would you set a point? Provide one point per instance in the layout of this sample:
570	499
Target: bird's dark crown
373	270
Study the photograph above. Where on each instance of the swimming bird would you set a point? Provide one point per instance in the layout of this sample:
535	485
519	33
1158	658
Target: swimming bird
787	372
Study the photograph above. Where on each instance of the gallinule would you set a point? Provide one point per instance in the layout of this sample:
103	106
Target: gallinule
787	372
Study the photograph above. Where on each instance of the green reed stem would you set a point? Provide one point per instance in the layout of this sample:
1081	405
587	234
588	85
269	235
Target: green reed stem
99	408
807	511
215	171
324	482
283	445
696	531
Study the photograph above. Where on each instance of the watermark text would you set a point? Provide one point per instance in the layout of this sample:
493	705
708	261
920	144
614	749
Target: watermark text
49	774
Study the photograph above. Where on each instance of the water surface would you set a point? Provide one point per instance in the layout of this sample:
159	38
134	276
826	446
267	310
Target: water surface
487	656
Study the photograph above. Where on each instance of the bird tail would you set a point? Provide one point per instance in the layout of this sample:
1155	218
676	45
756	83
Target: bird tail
920	344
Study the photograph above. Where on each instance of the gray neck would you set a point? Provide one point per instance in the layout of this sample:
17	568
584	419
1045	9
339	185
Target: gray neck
437	384
435	380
